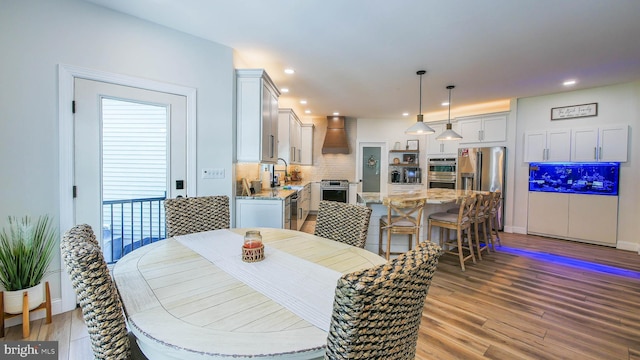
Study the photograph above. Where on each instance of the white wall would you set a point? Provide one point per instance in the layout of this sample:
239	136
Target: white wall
37	35
618	104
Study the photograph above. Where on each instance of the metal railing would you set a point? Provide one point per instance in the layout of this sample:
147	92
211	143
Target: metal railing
130	224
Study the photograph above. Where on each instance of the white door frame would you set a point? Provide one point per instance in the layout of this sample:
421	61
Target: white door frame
66	76
384	163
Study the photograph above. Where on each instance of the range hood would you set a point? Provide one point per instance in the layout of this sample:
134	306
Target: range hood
335	141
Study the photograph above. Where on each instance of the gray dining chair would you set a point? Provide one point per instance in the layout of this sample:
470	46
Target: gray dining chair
196	214
377	311
347	223
101	307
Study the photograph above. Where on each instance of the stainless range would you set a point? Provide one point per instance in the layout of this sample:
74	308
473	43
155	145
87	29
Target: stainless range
334	190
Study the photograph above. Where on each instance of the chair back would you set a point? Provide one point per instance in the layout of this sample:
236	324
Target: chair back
377	311
482	207
347	223
406	213
97	294
196	214
467	211
496	196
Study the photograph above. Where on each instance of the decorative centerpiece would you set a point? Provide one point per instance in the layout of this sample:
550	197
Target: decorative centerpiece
252	249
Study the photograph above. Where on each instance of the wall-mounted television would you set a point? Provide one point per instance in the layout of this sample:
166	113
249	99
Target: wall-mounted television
597	178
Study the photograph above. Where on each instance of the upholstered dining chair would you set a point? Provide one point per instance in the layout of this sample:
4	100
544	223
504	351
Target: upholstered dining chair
377	311
347	223
196	214
461	222
101	307
404	216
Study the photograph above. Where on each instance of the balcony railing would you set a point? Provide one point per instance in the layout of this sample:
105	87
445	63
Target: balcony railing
130	224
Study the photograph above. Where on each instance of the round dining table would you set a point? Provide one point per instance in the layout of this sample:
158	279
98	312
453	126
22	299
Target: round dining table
192	296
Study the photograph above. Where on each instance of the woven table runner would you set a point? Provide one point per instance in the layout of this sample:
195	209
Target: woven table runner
302	287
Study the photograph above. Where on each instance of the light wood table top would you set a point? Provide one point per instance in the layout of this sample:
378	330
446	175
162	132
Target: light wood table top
181	306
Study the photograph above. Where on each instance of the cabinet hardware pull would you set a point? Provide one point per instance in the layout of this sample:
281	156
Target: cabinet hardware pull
595	153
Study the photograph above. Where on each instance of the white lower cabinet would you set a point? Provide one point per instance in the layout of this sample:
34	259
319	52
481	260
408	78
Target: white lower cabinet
586	218
315	197
260	213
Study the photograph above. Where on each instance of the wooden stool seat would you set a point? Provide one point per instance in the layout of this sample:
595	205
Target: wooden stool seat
26	330
403	217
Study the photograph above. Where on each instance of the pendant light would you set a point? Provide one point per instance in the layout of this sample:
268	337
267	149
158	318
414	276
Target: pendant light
449	134
420	128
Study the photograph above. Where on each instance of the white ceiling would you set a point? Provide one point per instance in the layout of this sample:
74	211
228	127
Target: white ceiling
360	57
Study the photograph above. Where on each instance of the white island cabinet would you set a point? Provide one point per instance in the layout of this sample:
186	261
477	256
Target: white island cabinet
256	116
252	213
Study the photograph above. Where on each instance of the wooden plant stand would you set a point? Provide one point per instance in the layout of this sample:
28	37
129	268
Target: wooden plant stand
46	305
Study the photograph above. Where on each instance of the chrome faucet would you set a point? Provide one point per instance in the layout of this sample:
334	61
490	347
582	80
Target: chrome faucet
285	166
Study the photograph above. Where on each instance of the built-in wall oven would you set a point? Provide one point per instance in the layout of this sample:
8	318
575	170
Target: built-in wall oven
441	173
334	190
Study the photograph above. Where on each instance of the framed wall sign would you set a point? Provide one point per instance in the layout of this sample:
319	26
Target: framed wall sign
574	111
412	144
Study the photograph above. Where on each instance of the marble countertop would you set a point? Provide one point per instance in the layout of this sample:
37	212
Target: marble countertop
433	196
277	193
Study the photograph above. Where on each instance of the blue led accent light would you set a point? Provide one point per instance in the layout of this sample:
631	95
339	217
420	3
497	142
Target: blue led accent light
571	262
594	178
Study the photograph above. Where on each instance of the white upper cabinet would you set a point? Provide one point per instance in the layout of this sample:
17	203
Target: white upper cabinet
289	137
256	116
551	145
442	147
606	143
481	129
306	144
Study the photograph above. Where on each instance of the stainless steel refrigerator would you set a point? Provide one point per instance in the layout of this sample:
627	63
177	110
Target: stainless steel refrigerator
483	169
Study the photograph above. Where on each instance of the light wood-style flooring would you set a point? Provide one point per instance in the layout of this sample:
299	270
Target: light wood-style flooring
517	303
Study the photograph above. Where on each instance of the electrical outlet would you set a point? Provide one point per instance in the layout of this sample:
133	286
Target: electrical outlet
213	173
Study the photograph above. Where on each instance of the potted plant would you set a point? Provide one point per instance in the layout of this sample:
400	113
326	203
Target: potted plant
25	254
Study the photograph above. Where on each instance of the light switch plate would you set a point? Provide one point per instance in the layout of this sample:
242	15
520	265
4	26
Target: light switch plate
213	173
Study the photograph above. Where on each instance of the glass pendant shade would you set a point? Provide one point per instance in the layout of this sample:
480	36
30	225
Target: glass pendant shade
420	128
449	134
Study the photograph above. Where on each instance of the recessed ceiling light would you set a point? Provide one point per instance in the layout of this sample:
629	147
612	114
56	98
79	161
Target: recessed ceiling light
569	82
284	90
446	103
405	114
303	101
289	71
307	111
336	113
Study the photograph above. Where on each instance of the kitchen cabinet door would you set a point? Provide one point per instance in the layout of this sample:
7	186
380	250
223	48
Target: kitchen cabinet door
441	147
606	143
289	136
483	129
306	144
593	218
259	213
551	145
256	116
548	214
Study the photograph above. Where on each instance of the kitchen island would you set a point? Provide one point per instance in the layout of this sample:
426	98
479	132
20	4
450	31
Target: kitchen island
437	200
284	207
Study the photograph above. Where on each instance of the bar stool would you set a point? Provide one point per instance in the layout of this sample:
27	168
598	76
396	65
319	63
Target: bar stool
400	219
494	220
480	221
461	222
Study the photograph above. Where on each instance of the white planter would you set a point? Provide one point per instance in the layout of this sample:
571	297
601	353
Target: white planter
13	299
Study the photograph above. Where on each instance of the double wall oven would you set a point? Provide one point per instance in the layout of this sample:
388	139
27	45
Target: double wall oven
441	173
334	190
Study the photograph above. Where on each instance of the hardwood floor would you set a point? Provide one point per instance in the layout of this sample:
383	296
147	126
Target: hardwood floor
532	299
